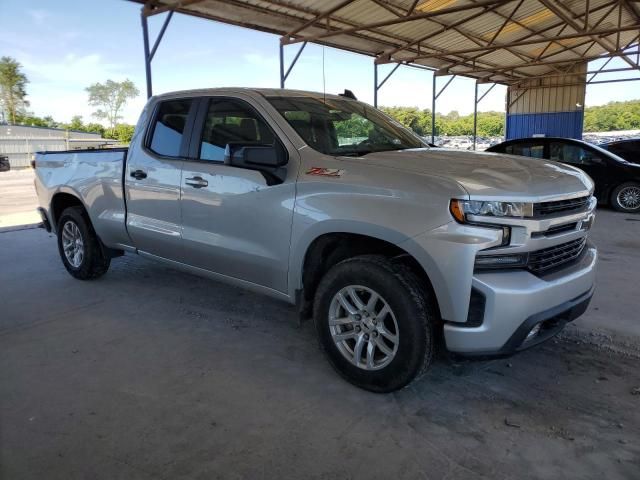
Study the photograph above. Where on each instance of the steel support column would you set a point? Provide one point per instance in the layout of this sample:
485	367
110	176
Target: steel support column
475	111
149	53
147	57
433	103
377	86
284	75
475	116
433	110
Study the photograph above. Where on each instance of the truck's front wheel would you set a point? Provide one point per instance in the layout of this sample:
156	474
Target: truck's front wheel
375	322
79	246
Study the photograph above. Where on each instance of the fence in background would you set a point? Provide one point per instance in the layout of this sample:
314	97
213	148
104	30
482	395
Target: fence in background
20	142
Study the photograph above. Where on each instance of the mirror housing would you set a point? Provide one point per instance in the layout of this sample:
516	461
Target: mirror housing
268	159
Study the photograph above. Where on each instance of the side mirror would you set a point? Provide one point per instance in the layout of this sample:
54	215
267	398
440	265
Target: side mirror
268	159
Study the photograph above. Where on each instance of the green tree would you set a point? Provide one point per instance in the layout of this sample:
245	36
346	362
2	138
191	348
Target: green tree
122	132
111	97
12	88
76	123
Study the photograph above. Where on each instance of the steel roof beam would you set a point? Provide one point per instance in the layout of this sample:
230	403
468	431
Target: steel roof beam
395	21
540	64
530	42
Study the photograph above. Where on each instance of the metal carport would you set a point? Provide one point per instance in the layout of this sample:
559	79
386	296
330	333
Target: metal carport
538	48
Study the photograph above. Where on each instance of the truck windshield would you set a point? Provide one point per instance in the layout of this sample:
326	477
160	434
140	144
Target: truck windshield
343	127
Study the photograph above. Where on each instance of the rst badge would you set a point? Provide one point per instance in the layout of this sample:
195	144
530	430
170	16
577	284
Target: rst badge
325	172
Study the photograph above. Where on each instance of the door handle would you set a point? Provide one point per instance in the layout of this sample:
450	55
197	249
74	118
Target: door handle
139	174
196	182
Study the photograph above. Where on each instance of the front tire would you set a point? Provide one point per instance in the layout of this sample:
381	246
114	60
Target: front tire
375	320
626	198
80	249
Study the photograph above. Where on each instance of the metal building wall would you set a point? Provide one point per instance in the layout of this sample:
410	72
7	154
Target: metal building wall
19	142
552	106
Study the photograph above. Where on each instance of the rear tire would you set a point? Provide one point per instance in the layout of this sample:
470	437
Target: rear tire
375	322
79	246
626	198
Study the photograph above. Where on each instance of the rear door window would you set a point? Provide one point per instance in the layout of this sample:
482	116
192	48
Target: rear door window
169	126
572	154
526	149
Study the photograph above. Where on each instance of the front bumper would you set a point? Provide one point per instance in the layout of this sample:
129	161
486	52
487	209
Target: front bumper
516	301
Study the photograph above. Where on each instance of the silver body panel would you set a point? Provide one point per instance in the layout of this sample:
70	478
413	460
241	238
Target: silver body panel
241	230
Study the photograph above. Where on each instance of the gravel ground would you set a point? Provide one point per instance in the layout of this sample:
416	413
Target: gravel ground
152	373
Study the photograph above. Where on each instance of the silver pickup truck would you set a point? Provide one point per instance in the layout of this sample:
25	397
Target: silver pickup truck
328	204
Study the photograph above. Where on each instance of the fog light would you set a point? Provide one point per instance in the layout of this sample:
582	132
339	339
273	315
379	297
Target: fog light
499	261
533	332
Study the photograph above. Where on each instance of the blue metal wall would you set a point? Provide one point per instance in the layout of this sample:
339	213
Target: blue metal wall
550	106
550	124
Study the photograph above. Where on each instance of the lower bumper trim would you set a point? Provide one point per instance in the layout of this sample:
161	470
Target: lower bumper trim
552	321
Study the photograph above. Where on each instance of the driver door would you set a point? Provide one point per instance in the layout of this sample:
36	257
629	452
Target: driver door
235	222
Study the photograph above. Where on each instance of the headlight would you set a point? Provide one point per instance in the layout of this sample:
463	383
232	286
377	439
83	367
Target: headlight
461	208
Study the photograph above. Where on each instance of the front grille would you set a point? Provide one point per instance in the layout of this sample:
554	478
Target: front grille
542	261
556	230
560	206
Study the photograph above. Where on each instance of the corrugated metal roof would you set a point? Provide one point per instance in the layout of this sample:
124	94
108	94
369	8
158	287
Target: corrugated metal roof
493	40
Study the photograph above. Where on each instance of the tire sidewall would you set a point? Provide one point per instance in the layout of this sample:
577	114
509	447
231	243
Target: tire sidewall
73	215
415	336
614	198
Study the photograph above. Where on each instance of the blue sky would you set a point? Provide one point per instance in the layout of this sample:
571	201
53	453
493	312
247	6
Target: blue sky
66	47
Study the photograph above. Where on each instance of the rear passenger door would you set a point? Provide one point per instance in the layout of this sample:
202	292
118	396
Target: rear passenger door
235	222
153	177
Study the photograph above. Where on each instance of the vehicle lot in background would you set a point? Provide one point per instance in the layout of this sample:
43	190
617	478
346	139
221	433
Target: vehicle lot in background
189	377
4	164
617	181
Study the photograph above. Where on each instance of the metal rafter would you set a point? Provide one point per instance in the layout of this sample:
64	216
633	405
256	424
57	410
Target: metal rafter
534	33
540	64
398	20
529	42
560	12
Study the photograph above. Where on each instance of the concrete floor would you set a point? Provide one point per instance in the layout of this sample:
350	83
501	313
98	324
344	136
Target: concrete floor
152	373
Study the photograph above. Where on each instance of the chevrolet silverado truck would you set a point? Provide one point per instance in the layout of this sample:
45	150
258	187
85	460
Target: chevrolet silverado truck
326	203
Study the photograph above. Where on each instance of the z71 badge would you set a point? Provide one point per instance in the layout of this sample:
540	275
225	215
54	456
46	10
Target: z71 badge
325	172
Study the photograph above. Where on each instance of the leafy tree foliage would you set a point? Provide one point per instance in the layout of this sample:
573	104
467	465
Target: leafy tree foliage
122	132
613	116
13	90
111	96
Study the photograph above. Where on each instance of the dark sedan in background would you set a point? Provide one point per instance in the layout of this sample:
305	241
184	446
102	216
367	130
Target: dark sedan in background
4	164
627	149
617	181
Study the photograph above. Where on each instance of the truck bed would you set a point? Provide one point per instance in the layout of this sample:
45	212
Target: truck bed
96	177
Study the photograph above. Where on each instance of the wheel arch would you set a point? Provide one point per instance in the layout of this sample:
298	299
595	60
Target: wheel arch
322	249
62	200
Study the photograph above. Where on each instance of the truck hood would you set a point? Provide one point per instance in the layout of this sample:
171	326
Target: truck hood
489	175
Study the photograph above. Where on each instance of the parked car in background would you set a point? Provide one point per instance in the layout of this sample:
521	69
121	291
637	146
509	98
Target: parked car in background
617	180
627	149
4	164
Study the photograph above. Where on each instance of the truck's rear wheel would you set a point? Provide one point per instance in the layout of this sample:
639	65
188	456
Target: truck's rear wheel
375	323
79	246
